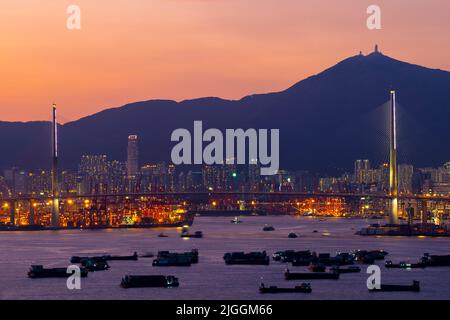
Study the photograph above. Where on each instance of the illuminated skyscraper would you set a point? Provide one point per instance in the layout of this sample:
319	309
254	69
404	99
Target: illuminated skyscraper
405	178
132	156
362	168
253	175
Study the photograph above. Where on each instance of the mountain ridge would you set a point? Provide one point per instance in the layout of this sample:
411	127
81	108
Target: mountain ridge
319	118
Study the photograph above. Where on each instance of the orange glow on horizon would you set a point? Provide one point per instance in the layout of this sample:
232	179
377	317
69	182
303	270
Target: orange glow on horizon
136	50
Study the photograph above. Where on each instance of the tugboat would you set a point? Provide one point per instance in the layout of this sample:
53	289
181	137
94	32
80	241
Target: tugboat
191	255
290	255
415	287
38	271
252	258
196	234
185	234
326	259
351	269
292	235
77	259
236	220
149	282
95	265
436	260
303	288
369	257
404	265
172	261
268	228
310	275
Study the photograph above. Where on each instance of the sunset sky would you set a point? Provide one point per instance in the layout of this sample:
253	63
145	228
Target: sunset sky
131	50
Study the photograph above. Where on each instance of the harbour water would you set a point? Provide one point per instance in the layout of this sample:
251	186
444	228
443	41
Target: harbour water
211	278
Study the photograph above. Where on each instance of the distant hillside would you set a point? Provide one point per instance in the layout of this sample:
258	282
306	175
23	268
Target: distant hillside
326	121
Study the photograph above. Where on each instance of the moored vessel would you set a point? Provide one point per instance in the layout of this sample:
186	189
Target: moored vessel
268	228
350	269
310	275
251	258
38	271
404	265
149	281
415	287
303	288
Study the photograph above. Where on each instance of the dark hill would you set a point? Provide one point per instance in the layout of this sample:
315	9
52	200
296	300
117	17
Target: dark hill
326	121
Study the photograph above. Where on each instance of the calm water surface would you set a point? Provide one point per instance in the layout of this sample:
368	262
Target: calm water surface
211	278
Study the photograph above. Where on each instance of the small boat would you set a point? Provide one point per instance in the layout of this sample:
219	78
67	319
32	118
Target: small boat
436	260
369	257
95	265
268	228
196	234
162	235
315	231
317	267
415	287
178	261
351	269
38	271
192	255
303	288
149	282
310	275
236	220
82	260
404	265
291	255
292	235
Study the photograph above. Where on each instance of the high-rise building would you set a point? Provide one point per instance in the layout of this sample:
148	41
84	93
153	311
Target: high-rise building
441	185
68	184
362	168
132	156
383	178
17	180
209	174
93	165
40	182
405	178
93	174
253	175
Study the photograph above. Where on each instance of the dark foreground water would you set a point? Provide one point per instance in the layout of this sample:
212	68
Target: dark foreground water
211	278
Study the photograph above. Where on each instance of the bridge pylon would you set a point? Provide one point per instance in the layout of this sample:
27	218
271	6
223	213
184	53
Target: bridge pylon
393	168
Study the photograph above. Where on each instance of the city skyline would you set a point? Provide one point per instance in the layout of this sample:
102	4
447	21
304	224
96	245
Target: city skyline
211	153
319	113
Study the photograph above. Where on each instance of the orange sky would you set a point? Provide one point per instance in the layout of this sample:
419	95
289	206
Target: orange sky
130	50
